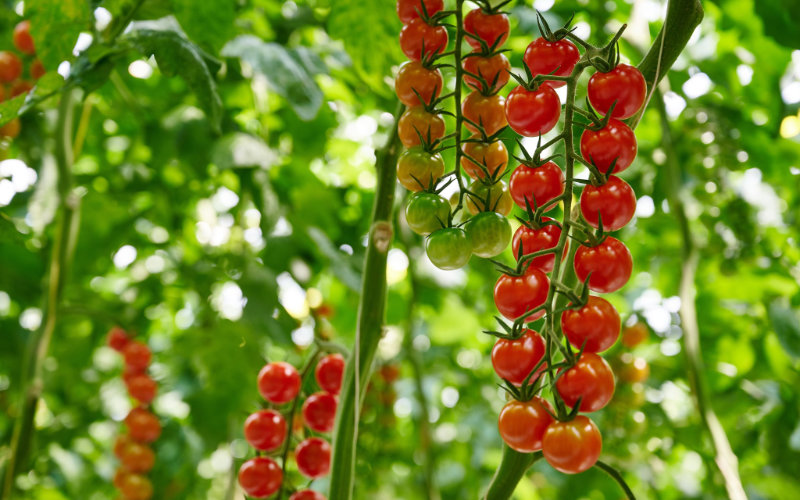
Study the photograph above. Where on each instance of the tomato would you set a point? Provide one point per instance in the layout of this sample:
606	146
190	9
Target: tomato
413	76
609	263
137	457
487	27
486	111
623	84
142	388
613	202
535	240
120	443
307	495
590	380
407	10
10	66
329	373
415	122
449	248
489	233
522	424
142	425
538	184
635	335
495	70
427	212
136	487
418	169
515	295
551	58
11	129
319	411
513	360
497	193
137	355
23	40
533	112
37	69
20	87
117	339
265	430
260	477
119	476
615	141
633	369
416	34
595	326
493	156
313	457
572	447
278	382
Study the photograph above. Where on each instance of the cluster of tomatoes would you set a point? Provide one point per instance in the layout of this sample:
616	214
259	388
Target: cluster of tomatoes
12	80
266	430
133	448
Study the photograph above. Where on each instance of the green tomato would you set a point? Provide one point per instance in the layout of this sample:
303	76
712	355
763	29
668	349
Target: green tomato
499	196
417	169
489	234
427	212
449	248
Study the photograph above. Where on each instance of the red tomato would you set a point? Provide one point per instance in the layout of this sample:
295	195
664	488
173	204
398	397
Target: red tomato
594	326
37	69
119	476
413	76
120	443
137	355
329	373
142	425
572	447
10	66
11	129
117	339
615	141
590	380
260	477
614	202
319	412
407	10
23	40
551	58
486	27
495	70
313	457
635	335
20	87
515	295
486	111
307	495
609	263
522	424
265	430
417	33
534	240
137	457
492	155
535	112
513	360
141	387
417	121
538	184
278	382
623	84
135	487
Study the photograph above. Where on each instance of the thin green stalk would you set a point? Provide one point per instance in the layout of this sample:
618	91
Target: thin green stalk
512	467
457	97
616	476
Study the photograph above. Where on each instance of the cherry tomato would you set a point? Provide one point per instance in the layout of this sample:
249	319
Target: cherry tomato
633	369
11	129
329	373
307	495
590	380
23	40
278	382
493	156
319	411
427	212
449	248
415	122
486	111
513	360
119	476
535	112
2	93
495	70
538	184
141	387
413	76
572	447
613	202
265	430
137	355
487	27
535	240
117	339
551	58
10	66
260	477
142	425
635	335
20	87
120	443
623	84
595	326
313	457
418	169
615	141
489	234
137	457
416	34
497	193
37	69
609	263
136	487
515	295
522	424
407	10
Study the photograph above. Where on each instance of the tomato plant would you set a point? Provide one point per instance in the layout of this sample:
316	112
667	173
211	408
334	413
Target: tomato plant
528	240
278	382
544	57
313	457
260	477
417	125
415	81
319	411
418	35
449	248
488	27
613	145
590	381
492	157
265	430
538	185
613	202
514	296
418	169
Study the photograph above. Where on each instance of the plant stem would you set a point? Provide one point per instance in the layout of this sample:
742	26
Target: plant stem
614	473
511	470
457	97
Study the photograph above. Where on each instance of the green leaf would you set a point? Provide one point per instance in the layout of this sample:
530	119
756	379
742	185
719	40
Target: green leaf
10	109
55	25
286	75
210	23
779	22
787	327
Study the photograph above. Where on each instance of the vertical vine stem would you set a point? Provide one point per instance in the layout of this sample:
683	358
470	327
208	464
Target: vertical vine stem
457	97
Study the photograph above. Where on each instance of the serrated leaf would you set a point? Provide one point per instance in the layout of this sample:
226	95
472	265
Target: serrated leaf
10	109
210	23
787	327
778	20
55	25
286	76
241	150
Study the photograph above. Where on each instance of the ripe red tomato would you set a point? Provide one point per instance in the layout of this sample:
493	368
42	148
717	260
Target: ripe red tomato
141	387
522	424
633	369
10	66
496	193
407	10
495	70
413	76
11	129
142	425
120	443
590	380
489	234
135	487
278	382
535	112
572	447
137	457
313	457
623	84
23	40
551	58
486	111
329	373
449	248
319	411
260	477
515	295
513	360
614	202
265	430
137	355
538	184
119	476
415	122
486	27
535	240
610	264
492	155
427	212
595	325
307	495
615	141
37	69
635	335
417	33
117	339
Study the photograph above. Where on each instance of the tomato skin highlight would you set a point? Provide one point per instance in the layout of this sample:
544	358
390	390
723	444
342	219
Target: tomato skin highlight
610	264
515	295
572	447
418	169
408	10
522	424
417	33
260	477
556	58
427	212
614	202
534	240
487	27
319	411
596	324
10	66
486	111
495	70
265	430
513	360
499	197
313	457
449	248
623	84
278	382
492	155
488	233
590	380
530	113
613	144
416	119
538	184
413	76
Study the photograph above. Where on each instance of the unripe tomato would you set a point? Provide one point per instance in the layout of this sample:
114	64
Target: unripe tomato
535	240
495	71
623	84
136	487
613	202
533	112
516	295
278	382
10	66
486	111
536	184
493	156
513	360
260	477
407	10
319	412
572	447
418	169
137	457
329	372
489	234
487	27
313	457
307	495
610	265
417	33
595	326
142	425
497	194
137	355
23	40
416	122
635	335
265	430
590	380
633	369
117	339
522	424
37	69
11	129
142	388
427	212
613	144
413	76
449	248
551	58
